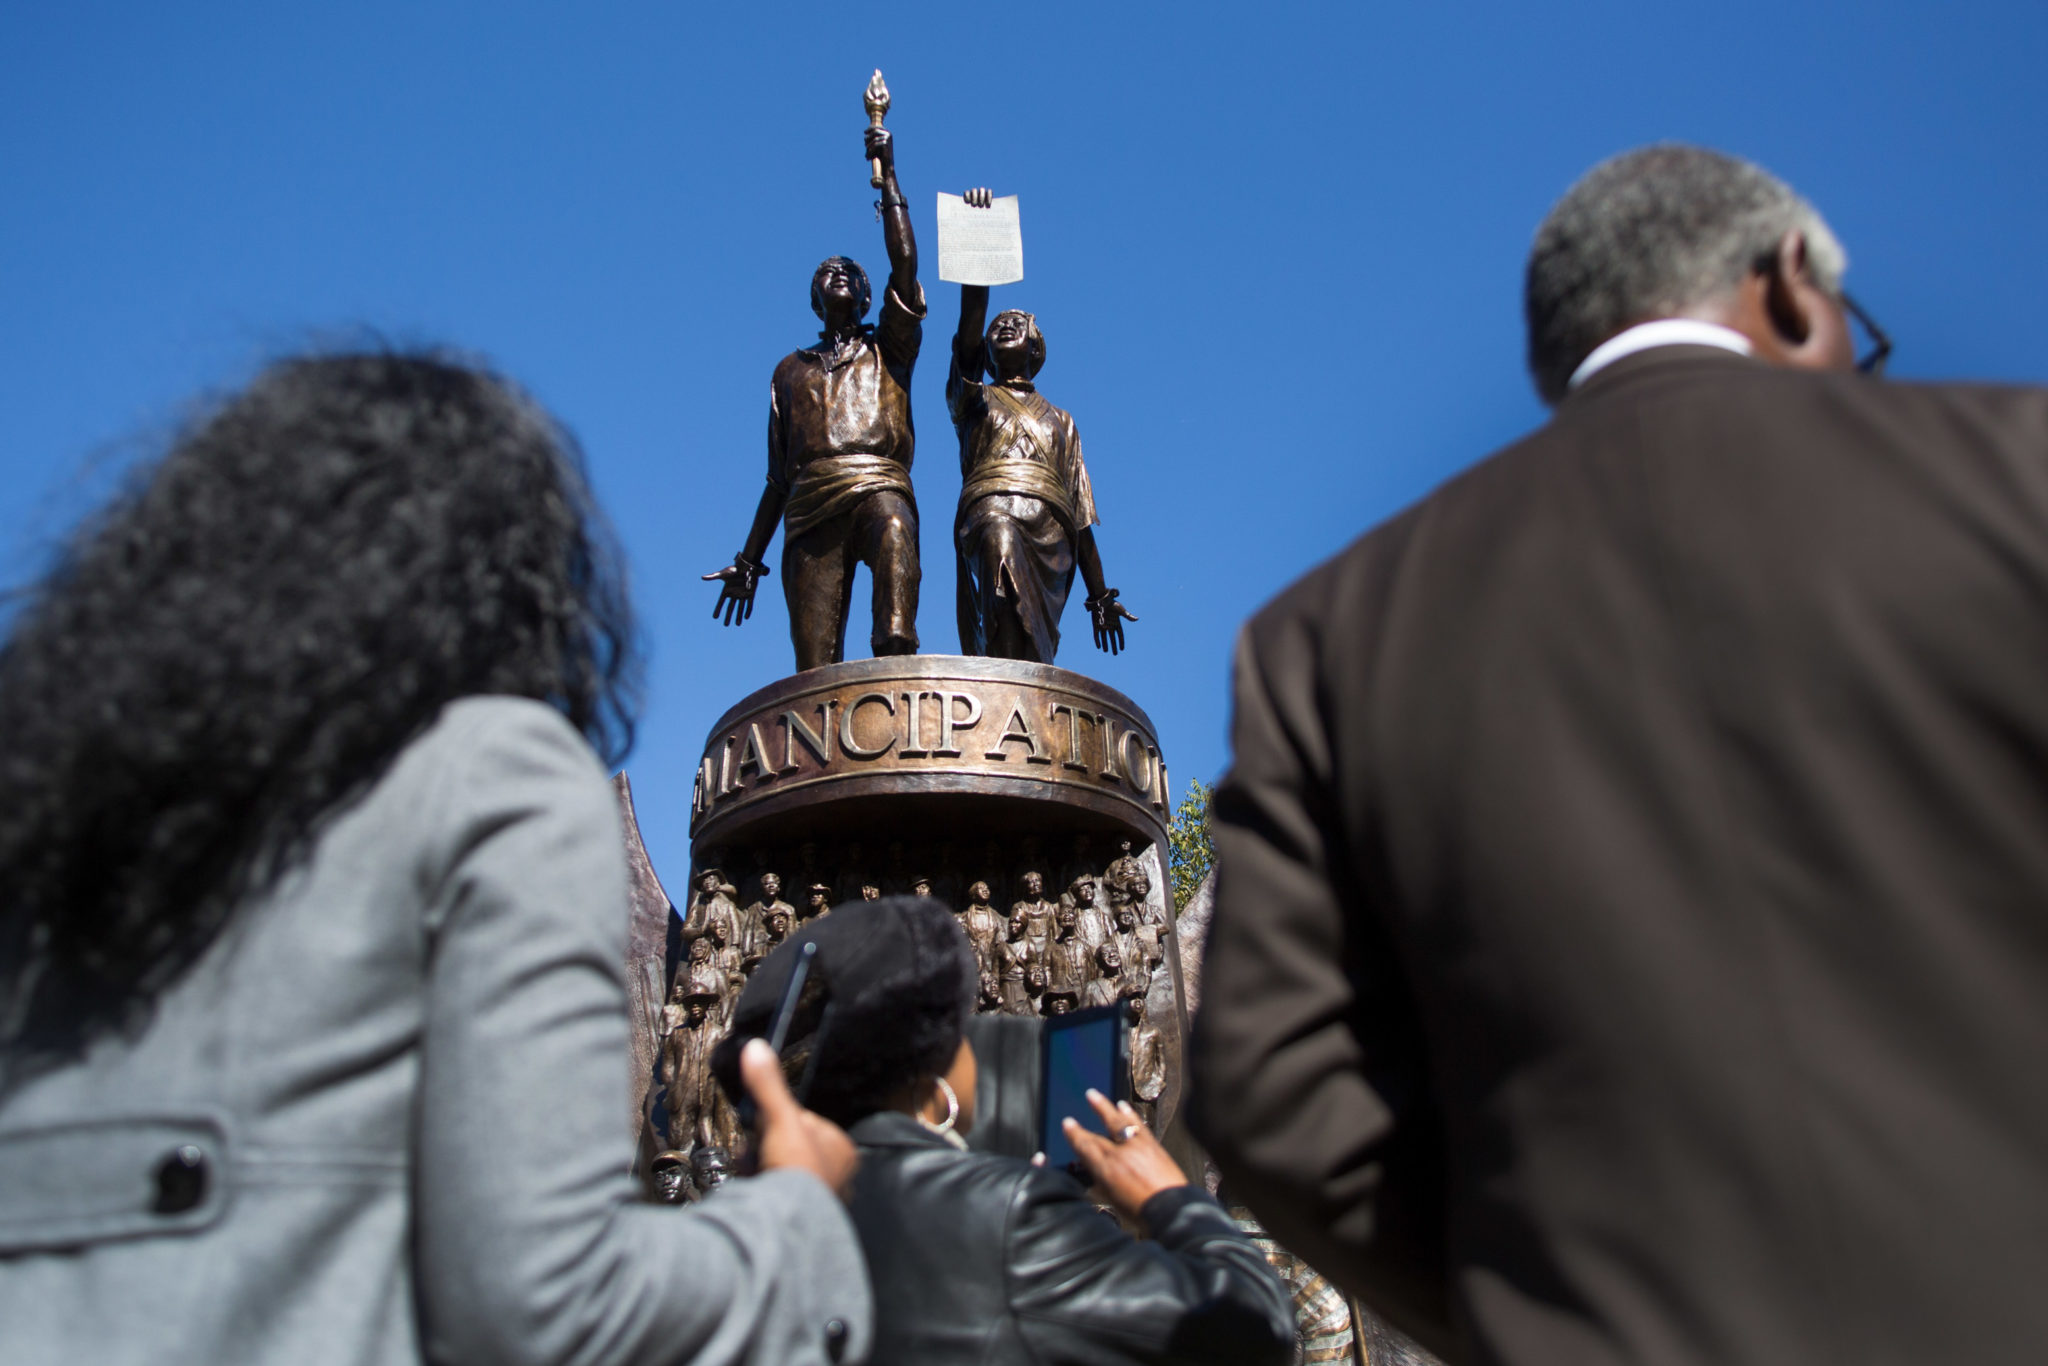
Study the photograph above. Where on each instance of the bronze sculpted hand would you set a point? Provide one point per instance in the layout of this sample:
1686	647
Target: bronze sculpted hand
881	147
1109	617
736	596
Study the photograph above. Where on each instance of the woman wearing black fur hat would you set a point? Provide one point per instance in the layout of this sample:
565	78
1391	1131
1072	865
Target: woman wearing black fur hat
976	1257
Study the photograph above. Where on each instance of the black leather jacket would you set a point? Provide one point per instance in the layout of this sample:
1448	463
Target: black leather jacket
982	1259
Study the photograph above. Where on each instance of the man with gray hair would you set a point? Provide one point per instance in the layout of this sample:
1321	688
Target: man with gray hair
1631	931
1680	246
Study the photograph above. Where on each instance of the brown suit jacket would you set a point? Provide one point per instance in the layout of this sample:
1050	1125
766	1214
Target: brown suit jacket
1631	941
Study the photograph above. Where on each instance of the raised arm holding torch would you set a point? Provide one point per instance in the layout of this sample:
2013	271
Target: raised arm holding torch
840	447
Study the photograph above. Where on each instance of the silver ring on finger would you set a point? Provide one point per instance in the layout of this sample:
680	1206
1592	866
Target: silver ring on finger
1129	1131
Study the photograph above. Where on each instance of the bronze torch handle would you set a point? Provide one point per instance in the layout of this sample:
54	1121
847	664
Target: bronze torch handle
875	99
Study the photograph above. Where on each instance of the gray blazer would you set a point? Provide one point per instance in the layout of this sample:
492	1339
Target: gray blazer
400	1075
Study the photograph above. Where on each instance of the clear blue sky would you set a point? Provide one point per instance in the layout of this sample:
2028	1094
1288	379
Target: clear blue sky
1276	248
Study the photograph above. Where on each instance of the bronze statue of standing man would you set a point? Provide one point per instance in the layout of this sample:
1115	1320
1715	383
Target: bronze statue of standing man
1027	513
839	449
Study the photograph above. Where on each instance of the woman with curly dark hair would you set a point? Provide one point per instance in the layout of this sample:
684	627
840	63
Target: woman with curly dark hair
312	903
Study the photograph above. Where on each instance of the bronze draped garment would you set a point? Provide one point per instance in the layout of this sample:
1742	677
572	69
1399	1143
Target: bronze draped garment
1024	501
1026	479
831	484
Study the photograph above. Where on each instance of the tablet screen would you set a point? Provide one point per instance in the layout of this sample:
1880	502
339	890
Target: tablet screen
1081	1050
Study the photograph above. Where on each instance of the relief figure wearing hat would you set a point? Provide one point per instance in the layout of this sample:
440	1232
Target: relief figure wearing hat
1098	922
1037	912
776	926
671	1172
1027	512
817	902
692	1028
757	937
714	909
839	452
1140	931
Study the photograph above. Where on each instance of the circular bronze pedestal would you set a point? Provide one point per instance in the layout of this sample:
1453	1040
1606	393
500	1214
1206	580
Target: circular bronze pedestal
945	774
848	747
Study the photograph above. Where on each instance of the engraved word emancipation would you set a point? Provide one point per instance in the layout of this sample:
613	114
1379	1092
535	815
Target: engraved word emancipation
939	728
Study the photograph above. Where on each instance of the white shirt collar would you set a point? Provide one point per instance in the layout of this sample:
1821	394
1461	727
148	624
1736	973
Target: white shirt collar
1662	332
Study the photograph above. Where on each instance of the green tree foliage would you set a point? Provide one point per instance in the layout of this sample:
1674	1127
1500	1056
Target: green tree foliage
1189	852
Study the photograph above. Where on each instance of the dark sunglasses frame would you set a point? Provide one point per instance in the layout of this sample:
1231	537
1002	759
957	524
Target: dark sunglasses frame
1873	361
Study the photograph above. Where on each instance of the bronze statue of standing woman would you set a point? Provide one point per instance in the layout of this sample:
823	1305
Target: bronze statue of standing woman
839	452
1027	513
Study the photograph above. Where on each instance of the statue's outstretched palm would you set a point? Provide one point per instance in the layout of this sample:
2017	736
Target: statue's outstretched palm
736	596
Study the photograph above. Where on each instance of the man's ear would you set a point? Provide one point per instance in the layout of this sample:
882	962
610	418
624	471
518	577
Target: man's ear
1789	306
1808	327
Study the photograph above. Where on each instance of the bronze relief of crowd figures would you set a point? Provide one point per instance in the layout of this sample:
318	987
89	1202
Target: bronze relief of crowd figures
1052	950
1041	950
840	448
680	1177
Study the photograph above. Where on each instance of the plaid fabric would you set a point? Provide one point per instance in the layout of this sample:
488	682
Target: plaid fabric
1322	1315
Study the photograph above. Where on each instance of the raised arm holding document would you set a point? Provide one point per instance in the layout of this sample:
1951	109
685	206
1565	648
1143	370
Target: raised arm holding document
1027	513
